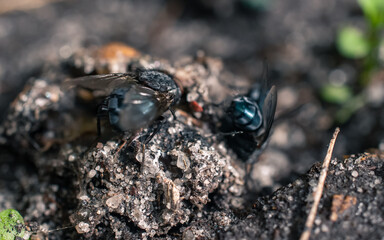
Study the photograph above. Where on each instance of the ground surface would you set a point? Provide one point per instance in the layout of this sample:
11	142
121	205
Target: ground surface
297	39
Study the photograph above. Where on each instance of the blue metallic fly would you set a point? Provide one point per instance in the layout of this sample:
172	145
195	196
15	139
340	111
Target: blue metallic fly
253	115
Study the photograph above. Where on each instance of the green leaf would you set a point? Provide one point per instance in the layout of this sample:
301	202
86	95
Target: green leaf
349	108
11	225
352	43
336	94
373	11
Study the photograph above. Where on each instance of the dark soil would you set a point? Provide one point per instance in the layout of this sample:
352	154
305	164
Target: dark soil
39	47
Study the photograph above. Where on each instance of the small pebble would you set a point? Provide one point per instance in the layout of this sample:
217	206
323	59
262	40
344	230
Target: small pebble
91	173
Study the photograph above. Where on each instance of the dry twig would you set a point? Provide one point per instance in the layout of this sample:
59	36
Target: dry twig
319	189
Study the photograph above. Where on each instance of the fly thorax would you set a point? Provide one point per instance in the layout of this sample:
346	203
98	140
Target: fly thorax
246	114
162	82
157	80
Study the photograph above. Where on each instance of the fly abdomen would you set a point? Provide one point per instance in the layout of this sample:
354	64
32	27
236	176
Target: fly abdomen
113	108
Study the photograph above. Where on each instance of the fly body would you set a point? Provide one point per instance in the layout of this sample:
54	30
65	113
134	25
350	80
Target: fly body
133	100
252	115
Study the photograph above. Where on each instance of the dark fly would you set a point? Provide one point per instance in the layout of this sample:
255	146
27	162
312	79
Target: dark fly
252	115
133	100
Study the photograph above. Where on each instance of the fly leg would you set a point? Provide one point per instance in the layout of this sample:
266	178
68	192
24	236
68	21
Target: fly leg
102	111
159	123
121	146
133	136
143	157
172	112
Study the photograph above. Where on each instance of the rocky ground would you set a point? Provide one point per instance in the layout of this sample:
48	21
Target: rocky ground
189	184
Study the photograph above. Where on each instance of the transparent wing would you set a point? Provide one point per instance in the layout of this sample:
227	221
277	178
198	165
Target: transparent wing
104	82
261	88
140	107
269	108
264	85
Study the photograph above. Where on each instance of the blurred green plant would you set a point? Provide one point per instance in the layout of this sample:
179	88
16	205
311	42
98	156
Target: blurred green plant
355	43
352	43
336	94
11	225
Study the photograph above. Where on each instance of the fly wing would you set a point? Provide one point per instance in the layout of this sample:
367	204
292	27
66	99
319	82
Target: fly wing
264	85
103	82
261	88
140	107
269	108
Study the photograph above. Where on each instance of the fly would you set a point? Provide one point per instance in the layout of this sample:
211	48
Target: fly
133	100
252	115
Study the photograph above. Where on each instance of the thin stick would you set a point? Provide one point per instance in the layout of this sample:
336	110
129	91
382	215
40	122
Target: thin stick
319	189
54	230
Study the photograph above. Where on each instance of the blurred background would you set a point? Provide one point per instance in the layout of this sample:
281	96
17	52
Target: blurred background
325	57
